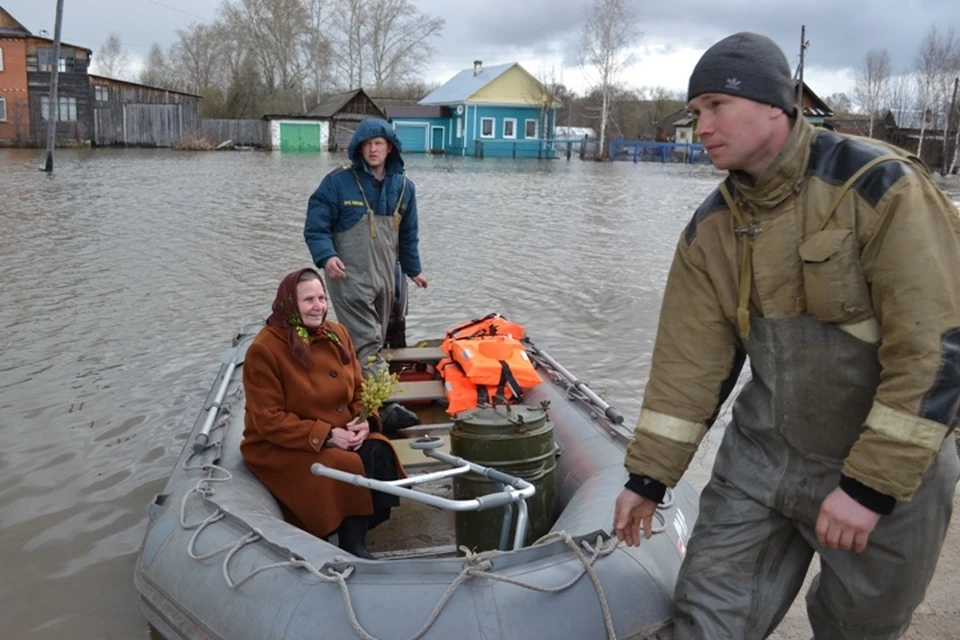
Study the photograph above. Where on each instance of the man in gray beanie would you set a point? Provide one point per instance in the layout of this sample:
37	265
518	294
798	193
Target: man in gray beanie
831	263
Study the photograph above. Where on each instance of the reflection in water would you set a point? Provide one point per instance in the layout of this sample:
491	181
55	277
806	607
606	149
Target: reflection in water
126	273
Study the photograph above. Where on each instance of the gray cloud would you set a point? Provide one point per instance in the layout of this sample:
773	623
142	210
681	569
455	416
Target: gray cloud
840	32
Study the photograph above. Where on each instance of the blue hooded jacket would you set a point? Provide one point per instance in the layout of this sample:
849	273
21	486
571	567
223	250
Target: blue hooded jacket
337	204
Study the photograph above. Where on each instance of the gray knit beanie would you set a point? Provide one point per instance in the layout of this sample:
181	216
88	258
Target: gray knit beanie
747	65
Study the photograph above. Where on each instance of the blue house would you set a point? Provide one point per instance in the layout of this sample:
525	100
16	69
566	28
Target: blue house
500	111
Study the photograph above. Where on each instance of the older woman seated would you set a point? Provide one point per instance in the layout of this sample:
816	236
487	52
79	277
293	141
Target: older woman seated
303	386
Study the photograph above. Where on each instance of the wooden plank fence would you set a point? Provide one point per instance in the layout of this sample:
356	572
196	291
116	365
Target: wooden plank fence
247	133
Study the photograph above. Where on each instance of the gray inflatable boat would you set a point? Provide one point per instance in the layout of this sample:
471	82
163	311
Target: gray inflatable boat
219	561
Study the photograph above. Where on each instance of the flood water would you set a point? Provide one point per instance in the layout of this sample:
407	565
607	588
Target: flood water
125	274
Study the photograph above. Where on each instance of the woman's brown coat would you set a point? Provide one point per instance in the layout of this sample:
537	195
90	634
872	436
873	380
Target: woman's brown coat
289	412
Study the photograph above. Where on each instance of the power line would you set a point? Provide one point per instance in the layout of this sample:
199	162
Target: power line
186	13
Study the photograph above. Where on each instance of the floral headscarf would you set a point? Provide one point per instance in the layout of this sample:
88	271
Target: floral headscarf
286	314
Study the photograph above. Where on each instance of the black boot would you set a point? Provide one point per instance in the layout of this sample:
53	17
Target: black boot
352	535
394	417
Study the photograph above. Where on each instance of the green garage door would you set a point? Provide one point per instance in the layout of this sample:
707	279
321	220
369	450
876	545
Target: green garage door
413	137
299	136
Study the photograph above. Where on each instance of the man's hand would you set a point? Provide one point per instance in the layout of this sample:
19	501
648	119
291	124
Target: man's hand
360	430
420	281
630	512
844	523
334	268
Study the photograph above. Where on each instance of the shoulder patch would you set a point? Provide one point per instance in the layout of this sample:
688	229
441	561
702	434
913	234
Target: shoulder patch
711	205
834	158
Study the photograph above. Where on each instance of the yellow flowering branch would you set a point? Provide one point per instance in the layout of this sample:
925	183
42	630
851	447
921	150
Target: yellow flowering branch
377	387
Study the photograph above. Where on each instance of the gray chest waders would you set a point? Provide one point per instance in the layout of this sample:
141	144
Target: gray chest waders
362	300
793	424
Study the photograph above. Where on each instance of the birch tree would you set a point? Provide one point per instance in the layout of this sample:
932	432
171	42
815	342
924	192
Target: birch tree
870	83
934	66
351	24
196	55
111	59
157	71
399	41
607	36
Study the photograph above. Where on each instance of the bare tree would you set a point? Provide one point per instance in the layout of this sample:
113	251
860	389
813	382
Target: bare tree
157	71
112	59
934	66
605	44
196	56
839	102
351	23
399	40
275	31
318	50
870	83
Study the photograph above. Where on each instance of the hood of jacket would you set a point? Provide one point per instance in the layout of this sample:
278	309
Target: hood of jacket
372	128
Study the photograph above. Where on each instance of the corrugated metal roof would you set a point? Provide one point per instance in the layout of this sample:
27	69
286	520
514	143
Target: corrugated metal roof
463	85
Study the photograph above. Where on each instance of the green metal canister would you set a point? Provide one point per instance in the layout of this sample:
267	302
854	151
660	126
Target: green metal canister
517	441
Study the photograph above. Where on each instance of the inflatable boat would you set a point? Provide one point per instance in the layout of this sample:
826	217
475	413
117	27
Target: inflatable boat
486	544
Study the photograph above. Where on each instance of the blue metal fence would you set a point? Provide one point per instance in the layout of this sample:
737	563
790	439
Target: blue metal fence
652	151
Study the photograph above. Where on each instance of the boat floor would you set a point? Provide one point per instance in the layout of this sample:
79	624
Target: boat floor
416	529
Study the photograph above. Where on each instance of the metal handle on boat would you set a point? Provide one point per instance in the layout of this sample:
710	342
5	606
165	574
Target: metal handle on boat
516	490
612	414
202	440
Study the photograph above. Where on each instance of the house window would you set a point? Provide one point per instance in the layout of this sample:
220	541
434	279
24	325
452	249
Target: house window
3	109
459	127
1	59
530	129
66	113
100	93
486	127
44	59
510	128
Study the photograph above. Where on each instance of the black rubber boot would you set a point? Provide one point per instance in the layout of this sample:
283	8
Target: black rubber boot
395	416
352	535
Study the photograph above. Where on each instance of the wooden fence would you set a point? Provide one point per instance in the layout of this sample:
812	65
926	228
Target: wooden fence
247	133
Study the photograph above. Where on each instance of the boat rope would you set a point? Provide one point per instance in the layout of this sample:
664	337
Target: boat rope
480	565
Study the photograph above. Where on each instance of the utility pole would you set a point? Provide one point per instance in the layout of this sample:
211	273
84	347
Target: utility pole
803	47
53	104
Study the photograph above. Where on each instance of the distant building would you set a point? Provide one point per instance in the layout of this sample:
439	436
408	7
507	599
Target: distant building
498	111
91	109
327	126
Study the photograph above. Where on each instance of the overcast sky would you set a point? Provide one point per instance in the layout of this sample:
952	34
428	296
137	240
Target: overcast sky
544	34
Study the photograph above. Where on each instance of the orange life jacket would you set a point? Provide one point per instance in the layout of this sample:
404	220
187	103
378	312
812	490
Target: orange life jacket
491	325
495	361
463	395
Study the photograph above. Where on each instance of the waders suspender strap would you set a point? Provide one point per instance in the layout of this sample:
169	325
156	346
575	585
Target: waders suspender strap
746	262
750	231
370	212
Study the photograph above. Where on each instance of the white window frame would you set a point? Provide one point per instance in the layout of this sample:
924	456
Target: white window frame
3	109
459	127
67	111
493	127
536	128
1	58
101	93
512	136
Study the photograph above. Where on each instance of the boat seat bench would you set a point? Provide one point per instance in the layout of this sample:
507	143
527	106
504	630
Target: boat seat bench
415	354
419	390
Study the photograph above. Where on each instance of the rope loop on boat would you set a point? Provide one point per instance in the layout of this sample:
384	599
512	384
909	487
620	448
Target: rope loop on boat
480	565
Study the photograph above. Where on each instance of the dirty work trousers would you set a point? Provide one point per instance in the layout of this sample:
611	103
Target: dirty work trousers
793	424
